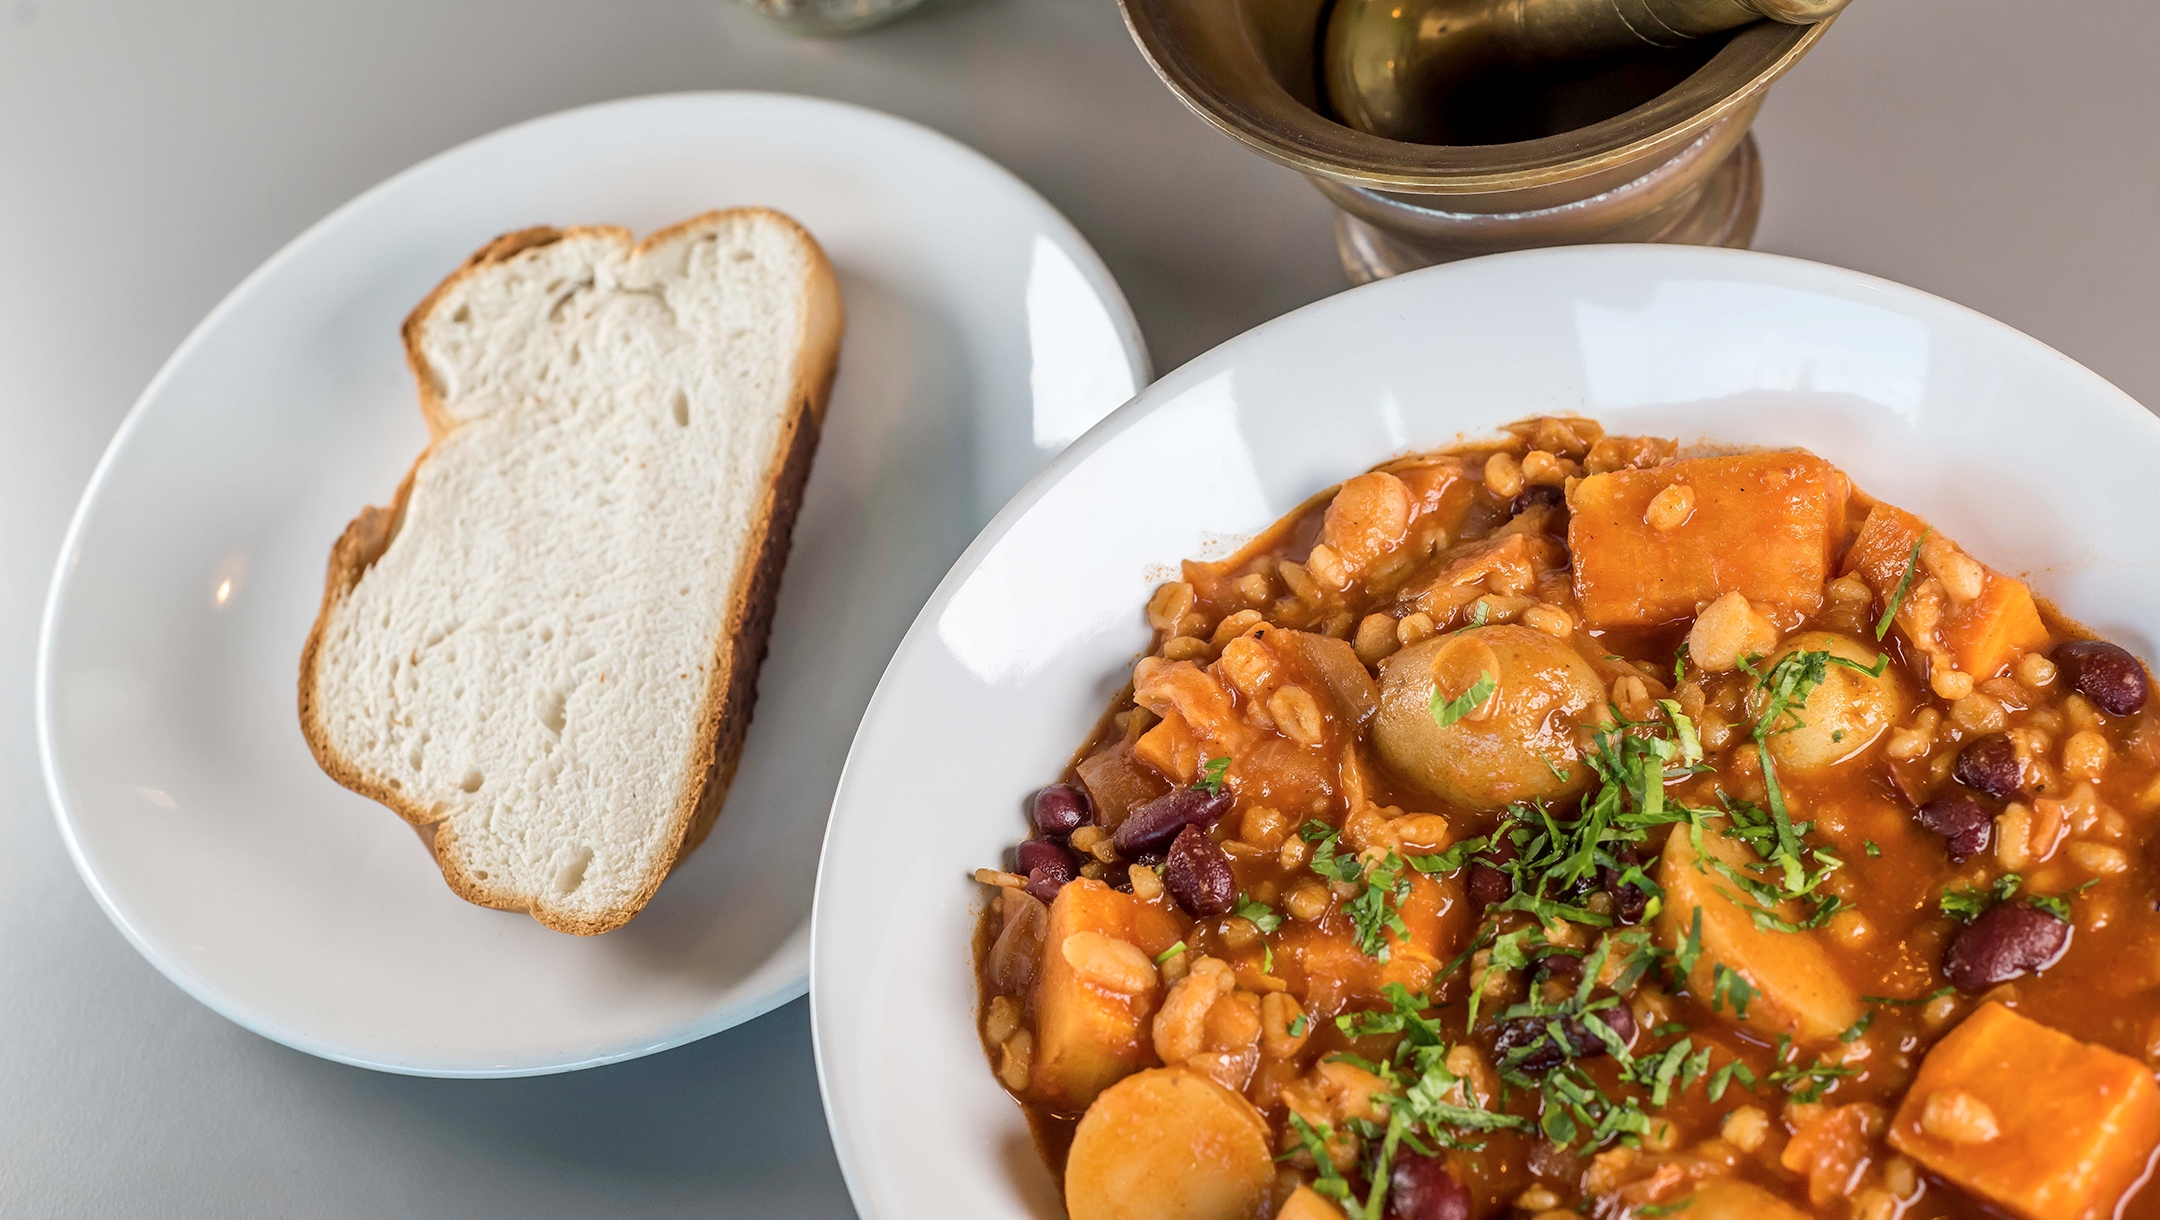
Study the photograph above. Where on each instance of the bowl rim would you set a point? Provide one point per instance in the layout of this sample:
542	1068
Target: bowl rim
1175	384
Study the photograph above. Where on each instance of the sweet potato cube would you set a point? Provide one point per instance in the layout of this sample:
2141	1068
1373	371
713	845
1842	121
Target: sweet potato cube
1995	628
2075	1123
1088	1038
1438	922
1172	748
1983	635
1765	525
1305	1203
1793	987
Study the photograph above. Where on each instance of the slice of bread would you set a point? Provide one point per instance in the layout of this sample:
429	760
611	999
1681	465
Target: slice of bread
546	648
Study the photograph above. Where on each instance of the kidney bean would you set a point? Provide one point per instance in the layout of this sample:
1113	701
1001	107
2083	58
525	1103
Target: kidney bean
1488	881
1060	809
1048	866
1581	1043
1542	493
1565	964
1198	875
1965	823
1152	825
1421	1188
2007	940
1629	900
1989	764
1044	883
1037	853
1488	885
2103	673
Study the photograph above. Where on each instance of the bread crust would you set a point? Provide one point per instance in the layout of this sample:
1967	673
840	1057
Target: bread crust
739	651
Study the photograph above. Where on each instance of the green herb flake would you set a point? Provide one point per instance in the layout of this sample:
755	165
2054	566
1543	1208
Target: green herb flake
1970	902
1854	1031
2058	907
1211	775
1912	565
1451	860
1724	1076
1872	848
1447	711
1731	987
1261	915
1300	1025
1169	953
1376	909
1691	751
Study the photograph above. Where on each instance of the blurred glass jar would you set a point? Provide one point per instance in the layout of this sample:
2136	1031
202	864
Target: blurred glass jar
827	18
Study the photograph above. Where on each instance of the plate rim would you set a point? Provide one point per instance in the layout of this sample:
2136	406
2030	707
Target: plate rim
1089	261
1815	276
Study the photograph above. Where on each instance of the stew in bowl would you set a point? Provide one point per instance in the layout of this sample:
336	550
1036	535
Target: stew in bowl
1565	827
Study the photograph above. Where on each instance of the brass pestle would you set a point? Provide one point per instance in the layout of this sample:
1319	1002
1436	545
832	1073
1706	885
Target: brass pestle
1393	66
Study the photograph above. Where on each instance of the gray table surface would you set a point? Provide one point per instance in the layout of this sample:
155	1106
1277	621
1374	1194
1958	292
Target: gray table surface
152	153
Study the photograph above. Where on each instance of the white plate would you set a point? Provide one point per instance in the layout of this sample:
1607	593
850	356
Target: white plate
2029	460
982	335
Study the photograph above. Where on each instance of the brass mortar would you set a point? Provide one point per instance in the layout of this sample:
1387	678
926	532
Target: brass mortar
1654	148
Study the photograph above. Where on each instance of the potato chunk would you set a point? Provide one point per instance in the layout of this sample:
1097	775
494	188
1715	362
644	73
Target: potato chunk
1733	1199
1796	989
1984	633
1089	1036
1517	745
1169	1144
1765	525
2068	1126
1845	714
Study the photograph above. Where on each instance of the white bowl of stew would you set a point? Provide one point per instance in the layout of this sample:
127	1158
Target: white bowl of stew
2020	475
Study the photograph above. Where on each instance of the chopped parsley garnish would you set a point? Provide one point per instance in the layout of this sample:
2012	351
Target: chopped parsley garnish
1970	902
1730	987
1787	685
1447	711
1427	1105
1300	1025
1452	859
1262	916
1665	1209
1806	1082
1211	775
1169	953
1872	848
1854	1031
1556	861
1375	909
1480	612
2057	907
1684	729
1331	1182
1912	565
1324	860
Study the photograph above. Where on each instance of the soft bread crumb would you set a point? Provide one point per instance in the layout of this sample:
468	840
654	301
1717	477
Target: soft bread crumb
548	645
